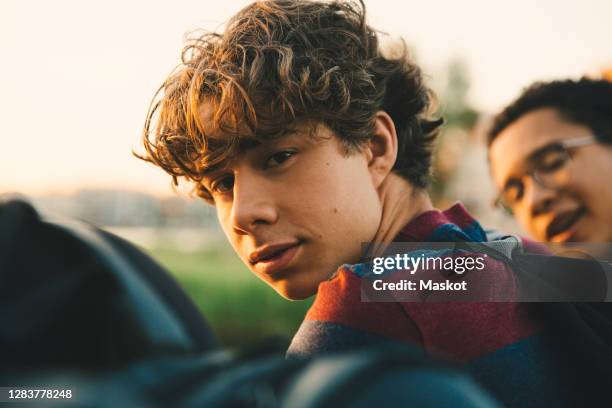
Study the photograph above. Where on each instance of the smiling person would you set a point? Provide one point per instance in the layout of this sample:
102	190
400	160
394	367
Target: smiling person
309	140
551	157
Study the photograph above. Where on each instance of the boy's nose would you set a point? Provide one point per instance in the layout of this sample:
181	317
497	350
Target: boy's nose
252	206
538	199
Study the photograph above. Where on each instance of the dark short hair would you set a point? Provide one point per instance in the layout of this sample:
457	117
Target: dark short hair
279	63
586	102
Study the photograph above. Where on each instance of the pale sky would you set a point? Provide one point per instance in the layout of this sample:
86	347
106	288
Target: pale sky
77	76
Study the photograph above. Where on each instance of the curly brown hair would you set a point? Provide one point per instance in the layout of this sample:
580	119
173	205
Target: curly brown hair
585	101
280	63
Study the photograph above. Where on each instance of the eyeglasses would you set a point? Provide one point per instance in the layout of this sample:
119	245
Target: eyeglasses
551	168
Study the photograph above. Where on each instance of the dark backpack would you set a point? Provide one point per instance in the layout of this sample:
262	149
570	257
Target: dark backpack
76	296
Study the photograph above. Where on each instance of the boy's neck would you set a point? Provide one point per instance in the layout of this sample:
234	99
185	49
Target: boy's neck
401	203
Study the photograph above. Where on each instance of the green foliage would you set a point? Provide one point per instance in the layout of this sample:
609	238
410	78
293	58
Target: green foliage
240	308
459	119
456	109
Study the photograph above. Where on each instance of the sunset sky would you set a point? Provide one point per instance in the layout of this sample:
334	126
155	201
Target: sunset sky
77	76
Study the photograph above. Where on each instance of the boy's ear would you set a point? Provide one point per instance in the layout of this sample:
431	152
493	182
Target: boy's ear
382	148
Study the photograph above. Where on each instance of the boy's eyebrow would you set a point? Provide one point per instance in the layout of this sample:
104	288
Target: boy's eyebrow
244	144
539	152
247	143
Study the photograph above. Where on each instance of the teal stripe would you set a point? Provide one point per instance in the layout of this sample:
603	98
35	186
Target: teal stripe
451	232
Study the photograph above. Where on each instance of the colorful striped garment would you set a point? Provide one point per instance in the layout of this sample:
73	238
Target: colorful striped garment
502	345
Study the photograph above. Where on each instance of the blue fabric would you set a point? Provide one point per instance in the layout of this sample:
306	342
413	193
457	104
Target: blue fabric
316	337
539	373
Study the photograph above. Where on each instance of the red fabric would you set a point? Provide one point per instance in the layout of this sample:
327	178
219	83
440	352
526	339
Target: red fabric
465	331
421	227
462	331
339	301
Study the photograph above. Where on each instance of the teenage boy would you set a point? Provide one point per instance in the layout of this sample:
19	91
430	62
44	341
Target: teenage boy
551	157
550	153
308	141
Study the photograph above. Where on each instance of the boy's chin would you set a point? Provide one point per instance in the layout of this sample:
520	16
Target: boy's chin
295	291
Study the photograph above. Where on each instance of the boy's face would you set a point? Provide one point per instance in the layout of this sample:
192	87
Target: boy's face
296	208
579	208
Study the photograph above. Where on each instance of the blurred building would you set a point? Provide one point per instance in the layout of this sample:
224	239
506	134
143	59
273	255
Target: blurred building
127	209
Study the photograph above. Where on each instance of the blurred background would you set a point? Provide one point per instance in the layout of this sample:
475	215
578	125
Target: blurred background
77	79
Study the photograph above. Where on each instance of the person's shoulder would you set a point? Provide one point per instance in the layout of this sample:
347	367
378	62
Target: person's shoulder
340	320
528	245
534	247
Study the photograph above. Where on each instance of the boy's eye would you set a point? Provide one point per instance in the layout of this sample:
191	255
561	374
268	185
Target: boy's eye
202	192
513	193
223	184
552	161
279	158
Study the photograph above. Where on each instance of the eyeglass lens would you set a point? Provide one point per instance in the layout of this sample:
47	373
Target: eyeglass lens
551	170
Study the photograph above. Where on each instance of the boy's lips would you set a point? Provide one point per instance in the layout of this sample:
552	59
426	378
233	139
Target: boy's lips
269	259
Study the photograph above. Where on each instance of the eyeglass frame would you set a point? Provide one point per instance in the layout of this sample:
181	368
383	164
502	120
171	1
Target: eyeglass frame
565	144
